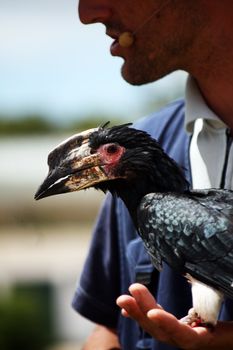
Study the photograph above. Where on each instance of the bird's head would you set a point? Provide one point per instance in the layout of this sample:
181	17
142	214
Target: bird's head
118	159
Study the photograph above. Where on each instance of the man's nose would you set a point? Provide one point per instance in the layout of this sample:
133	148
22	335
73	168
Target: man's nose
93	11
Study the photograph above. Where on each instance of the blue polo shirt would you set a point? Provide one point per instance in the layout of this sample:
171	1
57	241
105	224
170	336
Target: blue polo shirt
117	256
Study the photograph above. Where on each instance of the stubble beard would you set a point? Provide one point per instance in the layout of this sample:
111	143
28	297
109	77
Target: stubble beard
141	69
152	58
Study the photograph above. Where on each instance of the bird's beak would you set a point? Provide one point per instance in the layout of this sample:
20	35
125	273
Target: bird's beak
72	167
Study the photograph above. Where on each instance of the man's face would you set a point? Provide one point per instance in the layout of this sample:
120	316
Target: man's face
162	42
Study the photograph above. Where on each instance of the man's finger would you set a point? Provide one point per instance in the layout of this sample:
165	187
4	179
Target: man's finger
130	307
143	297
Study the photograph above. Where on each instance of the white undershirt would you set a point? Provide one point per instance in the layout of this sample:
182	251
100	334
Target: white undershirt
208	145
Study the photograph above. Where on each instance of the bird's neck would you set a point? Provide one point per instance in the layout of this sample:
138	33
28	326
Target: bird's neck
162	177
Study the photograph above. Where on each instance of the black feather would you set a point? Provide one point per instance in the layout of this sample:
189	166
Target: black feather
192	231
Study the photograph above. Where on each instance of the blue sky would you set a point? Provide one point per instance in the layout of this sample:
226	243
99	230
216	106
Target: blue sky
52	64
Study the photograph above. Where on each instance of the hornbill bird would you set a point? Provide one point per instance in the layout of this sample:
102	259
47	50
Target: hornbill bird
190	230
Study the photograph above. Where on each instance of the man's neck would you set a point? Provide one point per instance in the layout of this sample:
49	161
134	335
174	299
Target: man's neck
213	68
211	60
218	94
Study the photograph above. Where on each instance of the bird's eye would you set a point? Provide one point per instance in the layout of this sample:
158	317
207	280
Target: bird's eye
111	149
111	152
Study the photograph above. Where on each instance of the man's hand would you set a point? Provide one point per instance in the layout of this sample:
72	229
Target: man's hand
161	325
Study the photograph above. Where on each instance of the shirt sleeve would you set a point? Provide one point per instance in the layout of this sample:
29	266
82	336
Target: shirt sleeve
95	297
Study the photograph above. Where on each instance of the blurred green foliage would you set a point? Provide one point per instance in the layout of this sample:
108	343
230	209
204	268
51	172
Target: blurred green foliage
35	124
26	125
93	121
25	318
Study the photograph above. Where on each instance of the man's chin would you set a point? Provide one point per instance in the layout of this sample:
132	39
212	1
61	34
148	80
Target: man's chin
140	74
132	77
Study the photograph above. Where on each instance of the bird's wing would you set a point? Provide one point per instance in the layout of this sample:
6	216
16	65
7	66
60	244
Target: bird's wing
192	232
219	199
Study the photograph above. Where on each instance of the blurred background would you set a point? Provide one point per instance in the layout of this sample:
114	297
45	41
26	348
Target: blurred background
56	78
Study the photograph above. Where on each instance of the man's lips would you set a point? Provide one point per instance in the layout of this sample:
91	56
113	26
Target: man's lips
115	48
113	34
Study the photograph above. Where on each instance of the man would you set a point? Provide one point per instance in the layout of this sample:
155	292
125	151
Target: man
195	36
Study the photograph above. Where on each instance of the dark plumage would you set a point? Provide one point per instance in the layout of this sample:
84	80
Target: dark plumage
192	231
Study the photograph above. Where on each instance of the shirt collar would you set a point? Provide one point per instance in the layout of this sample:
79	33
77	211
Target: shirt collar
196	108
